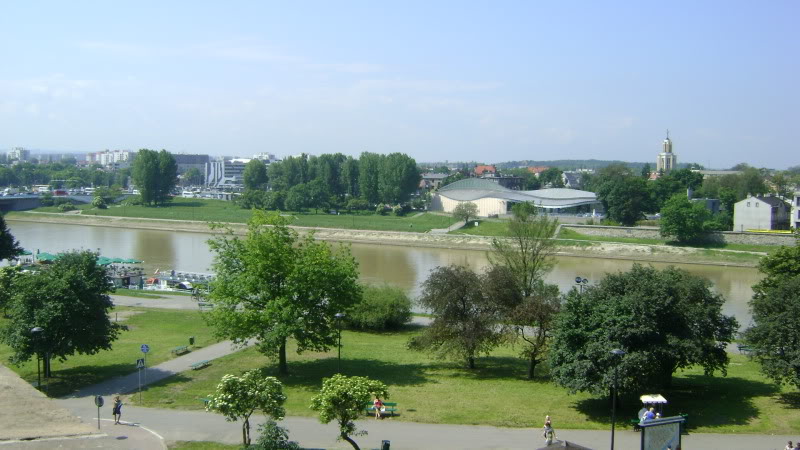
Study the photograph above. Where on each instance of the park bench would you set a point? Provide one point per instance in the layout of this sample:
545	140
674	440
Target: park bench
205	401
180	350
204	305
389	407
744	349
635	423
200	365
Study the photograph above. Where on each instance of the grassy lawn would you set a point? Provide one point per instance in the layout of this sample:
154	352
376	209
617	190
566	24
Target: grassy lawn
162	330
221	211
427	389
148	294
484	228
566	233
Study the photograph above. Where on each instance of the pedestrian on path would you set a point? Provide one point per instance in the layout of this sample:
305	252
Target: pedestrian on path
549	433
789	446
117	411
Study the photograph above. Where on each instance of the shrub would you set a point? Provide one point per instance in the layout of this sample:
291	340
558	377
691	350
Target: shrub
133	200
273	437
66	207
357	204
99	203
381	308
46	199
381	209
400	210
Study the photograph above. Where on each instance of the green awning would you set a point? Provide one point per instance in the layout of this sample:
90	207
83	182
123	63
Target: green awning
44	256
103	261
132	261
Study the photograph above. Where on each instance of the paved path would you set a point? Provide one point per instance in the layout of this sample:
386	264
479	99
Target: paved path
168	302
130	383
452	227
176	425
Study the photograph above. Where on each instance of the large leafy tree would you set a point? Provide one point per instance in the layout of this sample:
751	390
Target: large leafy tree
70	300
369	168
625	198
238	397
684	220
343	398
255	175
9	247
527	247
664	320
531	320
273	286
398	178
775	336
155	174
465	315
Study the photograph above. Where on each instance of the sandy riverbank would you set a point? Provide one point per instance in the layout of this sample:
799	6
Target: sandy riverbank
605	250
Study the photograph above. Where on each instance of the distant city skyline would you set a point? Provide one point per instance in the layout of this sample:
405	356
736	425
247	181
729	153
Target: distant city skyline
457	81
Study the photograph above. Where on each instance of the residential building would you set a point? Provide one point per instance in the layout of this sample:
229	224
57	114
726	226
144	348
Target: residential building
666	159
431	180
18	154
537	170
266	158
482	169
716	173
760	213
572	180
795	220
225	173
186	162
112	159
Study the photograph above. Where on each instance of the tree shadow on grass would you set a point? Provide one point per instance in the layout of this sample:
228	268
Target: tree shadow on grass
66	381
309	373
790	399
500	368
709	402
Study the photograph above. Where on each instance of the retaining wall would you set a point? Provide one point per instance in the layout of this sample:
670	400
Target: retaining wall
728	237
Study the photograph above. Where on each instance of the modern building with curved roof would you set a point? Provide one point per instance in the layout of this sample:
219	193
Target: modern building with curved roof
492	198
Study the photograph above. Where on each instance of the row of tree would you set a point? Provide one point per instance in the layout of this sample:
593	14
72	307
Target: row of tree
330	180
61	175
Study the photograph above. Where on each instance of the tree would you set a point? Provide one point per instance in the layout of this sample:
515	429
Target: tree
382	307
646	170
273	286
9	247
774	338
664	320
70	300
192	177
625	198
398	178
465	211
237	398
296	198
684	220
343	398
779	266
531	322
255	175
155	174
464	315
551	177
99	203
527	248
7	276
369	167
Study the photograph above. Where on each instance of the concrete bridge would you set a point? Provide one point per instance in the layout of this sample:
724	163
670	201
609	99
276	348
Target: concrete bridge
26	202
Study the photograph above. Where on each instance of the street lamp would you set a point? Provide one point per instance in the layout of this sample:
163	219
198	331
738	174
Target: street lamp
35	332
581	282
617	353
339	317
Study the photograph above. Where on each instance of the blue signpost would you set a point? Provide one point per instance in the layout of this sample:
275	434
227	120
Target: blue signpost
145	348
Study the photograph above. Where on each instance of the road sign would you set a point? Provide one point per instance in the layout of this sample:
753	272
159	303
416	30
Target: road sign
140	363
98	401
145	348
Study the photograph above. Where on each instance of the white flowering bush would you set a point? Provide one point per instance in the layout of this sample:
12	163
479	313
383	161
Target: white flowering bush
238	397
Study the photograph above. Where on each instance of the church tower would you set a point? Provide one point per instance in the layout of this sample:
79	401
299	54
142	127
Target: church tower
666	159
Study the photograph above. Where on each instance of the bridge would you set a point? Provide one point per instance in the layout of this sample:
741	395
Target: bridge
26	202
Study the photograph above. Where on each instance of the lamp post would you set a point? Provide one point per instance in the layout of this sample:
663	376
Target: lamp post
35	331
581	282
617	353
339	317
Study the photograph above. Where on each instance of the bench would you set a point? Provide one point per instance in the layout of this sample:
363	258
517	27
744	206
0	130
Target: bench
180	350
744	349
205	401
389	407
200	365
635	423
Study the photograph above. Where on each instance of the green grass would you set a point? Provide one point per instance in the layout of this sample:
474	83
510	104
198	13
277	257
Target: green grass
148	294
484	228
162	330
567	233
427	389
208	210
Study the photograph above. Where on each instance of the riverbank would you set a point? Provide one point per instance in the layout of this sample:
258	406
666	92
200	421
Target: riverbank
566	247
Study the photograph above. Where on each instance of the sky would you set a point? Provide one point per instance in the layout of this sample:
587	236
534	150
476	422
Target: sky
439	80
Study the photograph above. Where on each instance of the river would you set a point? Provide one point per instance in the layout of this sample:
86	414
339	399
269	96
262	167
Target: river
403	266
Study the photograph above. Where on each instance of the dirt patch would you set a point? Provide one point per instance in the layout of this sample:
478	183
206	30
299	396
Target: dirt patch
28	414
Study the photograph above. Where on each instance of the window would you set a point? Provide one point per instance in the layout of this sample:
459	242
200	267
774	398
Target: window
756	204
748	204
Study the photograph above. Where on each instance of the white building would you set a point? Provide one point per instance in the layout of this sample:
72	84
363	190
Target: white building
117	159
760	213
225	173
491	198
266	158
666	159
794	221
18	154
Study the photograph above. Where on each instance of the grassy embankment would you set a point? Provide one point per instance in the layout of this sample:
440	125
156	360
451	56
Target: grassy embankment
434	391
161	329
207	210
148	294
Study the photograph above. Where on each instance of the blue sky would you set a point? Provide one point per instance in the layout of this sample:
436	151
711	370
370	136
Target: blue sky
485	81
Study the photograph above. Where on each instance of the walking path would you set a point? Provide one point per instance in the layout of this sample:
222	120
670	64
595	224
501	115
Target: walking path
452	227
168	302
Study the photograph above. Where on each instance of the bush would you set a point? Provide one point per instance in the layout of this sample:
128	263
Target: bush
46	199
357	204
273	437
381	209
401	210
133	200
99	203
381	308
66	207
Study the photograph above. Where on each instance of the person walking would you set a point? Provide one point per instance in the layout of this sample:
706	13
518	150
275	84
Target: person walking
117	410
549	433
